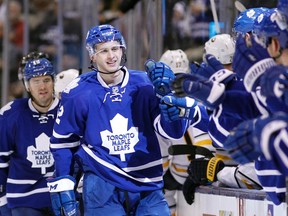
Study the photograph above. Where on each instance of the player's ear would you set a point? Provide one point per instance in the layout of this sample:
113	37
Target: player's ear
93	58
274	48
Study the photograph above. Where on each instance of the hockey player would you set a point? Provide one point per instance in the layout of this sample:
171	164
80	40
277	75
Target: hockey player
266	136
25	129
116	113
175	166
62	80
228	176
219	52
244	62
273	34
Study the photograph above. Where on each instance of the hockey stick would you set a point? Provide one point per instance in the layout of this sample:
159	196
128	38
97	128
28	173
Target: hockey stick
189	149
239	6
215	17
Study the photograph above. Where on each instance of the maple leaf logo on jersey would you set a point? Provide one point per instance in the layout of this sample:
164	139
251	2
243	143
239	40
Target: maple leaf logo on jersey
5	108
121	140
40	157
71	85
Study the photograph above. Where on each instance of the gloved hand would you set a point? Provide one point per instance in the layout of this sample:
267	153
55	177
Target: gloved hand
185	108
4	210
63	196
188	190
208	92
250	60
223	76
207	68
203	170
160	75
194	66
274	82
243	145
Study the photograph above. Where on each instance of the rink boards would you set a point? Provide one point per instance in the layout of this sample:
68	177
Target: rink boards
215	201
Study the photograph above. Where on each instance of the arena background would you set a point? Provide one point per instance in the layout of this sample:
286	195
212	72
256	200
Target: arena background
146	26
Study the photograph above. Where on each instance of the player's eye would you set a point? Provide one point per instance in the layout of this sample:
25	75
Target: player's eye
115	48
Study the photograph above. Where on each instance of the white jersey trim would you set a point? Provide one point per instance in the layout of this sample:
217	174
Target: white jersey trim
116	169
17	195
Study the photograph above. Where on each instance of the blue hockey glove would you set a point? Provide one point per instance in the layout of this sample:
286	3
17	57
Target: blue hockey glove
242	144
223	76
274	82
213	70
250	60
170	113
160	75
208	67
185	108
63	196
254	137
208	92
272	131
4	210
203	70
194	66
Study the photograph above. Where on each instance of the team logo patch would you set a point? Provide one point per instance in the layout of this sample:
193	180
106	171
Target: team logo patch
120	140
40	156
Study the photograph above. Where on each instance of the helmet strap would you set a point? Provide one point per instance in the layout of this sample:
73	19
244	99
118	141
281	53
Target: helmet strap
279	55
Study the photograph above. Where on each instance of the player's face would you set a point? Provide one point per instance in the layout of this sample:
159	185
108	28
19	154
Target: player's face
108	56
41	89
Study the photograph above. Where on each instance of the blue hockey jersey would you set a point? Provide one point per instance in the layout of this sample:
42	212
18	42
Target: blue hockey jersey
273	182
239	106
117	127
25	159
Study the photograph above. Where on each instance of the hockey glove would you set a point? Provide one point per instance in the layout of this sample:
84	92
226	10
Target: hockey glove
207	68
208	92
272	131
223	76
194	66
250	60
213	70
63	196
203	70
188	189
160	75
242	144
204	170
274	82
185	108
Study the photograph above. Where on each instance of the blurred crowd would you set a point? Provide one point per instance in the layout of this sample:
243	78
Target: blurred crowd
43	32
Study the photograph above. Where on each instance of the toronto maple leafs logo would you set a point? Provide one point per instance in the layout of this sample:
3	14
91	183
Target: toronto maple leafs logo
251	13
71	85
5	108
120	140
40	156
